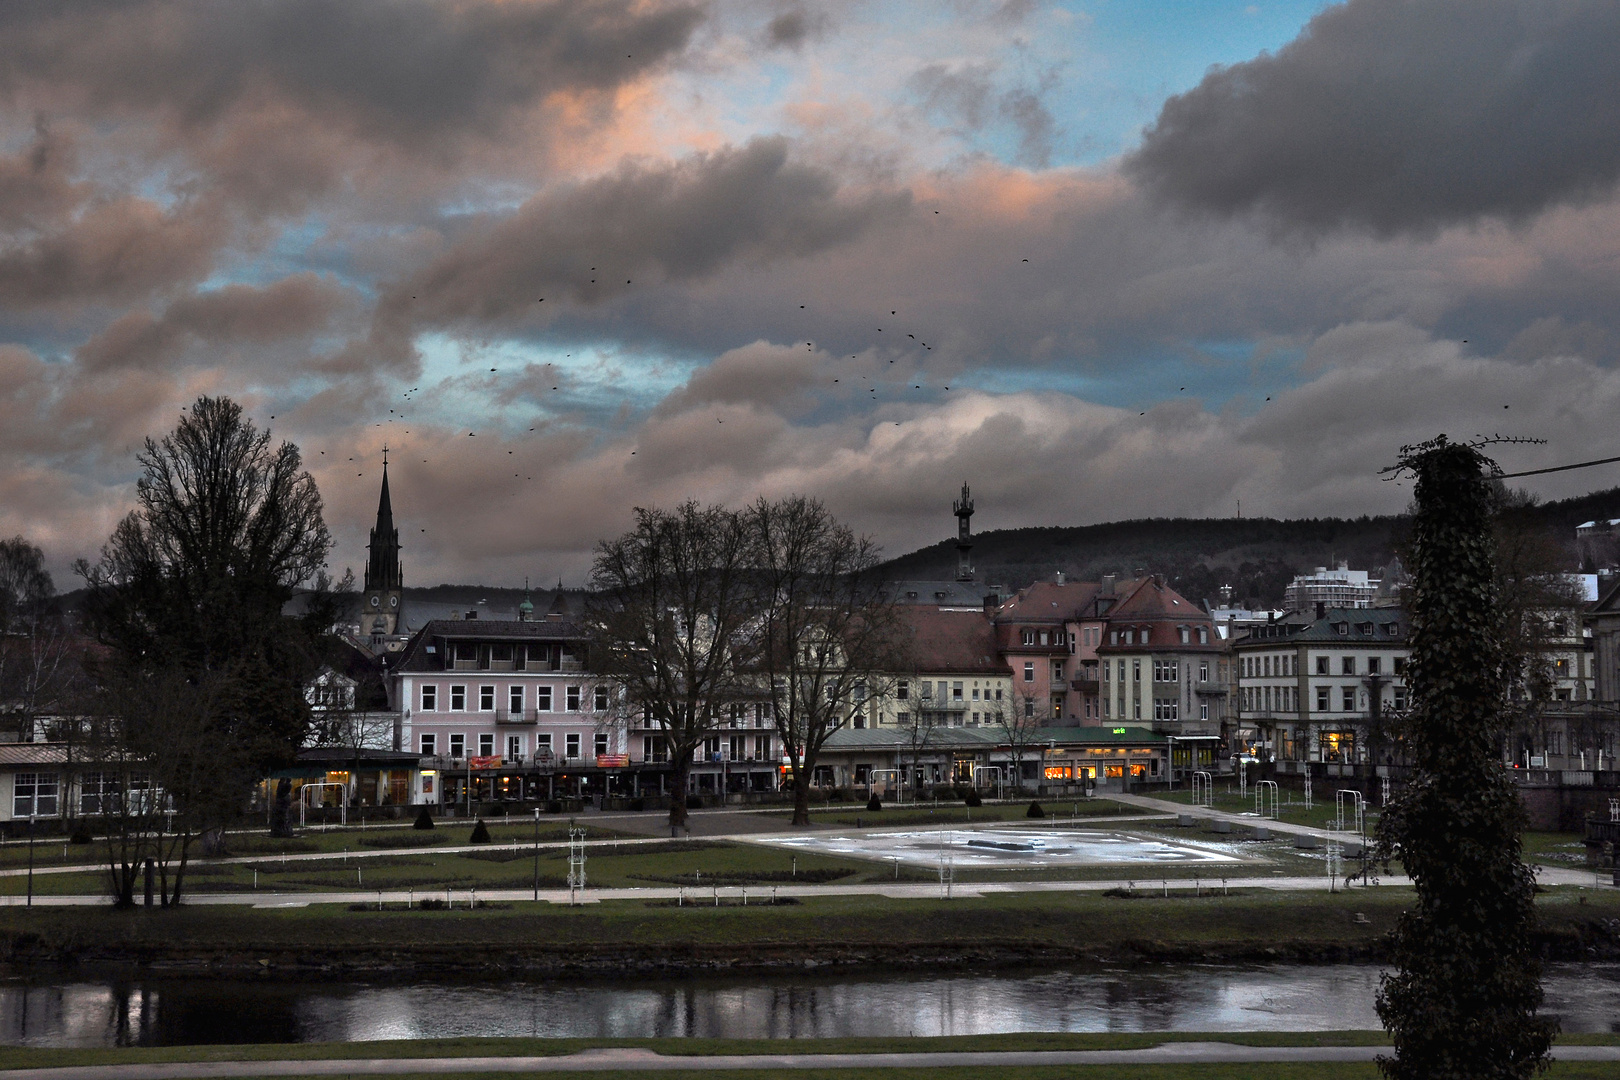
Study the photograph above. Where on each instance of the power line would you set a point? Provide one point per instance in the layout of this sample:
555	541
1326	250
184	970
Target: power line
1555	468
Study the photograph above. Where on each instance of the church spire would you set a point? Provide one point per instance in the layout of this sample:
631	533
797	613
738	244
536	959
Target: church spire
383	569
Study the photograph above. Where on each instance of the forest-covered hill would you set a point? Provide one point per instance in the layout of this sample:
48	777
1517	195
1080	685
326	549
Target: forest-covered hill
1256	556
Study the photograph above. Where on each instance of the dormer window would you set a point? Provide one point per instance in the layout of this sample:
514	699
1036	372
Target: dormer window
1186	635
1342	628
1144	635
1203	635
1130	637
1028	637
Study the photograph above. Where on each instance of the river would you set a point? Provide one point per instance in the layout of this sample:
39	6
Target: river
156	1012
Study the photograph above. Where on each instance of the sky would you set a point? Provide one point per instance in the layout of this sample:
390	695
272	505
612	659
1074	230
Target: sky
1098	259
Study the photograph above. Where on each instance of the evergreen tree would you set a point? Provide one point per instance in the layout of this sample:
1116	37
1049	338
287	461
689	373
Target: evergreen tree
1462	1001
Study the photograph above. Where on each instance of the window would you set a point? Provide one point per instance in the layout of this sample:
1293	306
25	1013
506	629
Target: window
514	747
1136	671
1203	635
514	699
599	699
1347	665
998	693
542	744
1130	637
502	654
762	748
1136	710
1144	635
1203	671
486	699
956	691
654	748
1203	712
1113	637
1057	705
1398	665
1105	669
1555	742
430	699
1186	635
1342	628
902	690
976	694
1322	699
430	744
572	698
1348	695
458	744
571	744
975	719
1166	708
1400	697
601	743
1029	707
34	795
1028	636
1045	638
1057	671
1373	664
486	744
1322	665
98	793
1166	671
1029	671
458	699
542	698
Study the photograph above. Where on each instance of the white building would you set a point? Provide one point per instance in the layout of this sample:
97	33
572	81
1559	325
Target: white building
1338	588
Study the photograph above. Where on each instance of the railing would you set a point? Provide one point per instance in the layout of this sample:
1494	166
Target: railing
1210	688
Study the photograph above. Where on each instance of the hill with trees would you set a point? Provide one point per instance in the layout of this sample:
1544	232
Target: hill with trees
1257	557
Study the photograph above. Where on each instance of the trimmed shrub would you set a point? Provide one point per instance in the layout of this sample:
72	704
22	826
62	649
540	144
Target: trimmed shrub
694	802
424	819
1035	811
554	806
944	792
874	803
81	835
480	833
972	797
638	804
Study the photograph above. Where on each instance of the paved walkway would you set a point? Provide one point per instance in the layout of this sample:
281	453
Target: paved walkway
637	1059
1165	806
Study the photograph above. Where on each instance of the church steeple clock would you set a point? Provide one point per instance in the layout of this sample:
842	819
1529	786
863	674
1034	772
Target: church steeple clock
383	598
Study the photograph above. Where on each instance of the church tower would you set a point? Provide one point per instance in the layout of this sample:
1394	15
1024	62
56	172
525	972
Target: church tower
381	601
964	535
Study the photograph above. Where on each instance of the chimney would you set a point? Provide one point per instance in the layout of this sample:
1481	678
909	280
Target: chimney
1321	609
992	603
472	613
1060	577
1108	583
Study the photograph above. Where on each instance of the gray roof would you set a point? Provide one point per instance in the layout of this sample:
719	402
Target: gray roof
967	738
1361	626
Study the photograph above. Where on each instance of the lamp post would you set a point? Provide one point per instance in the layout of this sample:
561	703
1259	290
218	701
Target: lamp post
30	860
537	854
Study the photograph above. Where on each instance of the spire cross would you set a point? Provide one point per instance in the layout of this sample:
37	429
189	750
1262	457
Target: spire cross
385	453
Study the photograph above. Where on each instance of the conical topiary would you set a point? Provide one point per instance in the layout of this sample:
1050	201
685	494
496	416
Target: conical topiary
480	833
1035	811
874	803
972	797
424	819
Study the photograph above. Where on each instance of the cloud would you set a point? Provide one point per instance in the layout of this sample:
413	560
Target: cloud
1397	116
393	70
590	242
286	313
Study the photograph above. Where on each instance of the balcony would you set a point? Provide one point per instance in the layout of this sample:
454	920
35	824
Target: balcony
1084	686
1210	688
517	716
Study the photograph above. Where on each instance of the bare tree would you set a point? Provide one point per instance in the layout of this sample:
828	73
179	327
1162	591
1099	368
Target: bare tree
33	637
192	585
669	598
825	633
1021	725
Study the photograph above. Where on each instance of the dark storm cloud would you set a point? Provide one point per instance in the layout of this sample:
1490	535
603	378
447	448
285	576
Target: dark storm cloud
680	221
285	312
1402	115
394	69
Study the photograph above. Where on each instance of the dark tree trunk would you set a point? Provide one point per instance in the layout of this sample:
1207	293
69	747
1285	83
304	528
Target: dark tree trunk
281	809
677	796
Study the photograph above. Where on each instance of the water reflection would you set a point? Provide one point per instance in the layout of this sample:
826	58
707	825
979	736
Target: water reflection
1191	998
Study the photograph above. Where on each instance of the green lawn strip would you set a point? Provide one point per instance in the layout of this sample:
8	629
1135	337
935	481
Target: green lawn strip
1323	813
24	1057
928	812
1073	923
1567	850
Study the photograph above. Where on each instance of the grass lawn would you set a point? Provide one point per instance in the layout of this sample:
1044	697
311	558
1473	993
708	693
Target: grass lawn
1067	923
697	863
19	1058
1322	814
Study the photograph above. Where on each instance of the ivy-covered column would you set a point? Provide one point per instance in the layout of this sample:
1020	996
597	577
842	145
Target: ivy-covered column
1462	1001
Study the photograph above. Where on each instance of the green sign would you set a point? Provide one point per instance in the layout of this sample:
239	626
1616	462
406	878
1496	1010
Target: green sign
1119	731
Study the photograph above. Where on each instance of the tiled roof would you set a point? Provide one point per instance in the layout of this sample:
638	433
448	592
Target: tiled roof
946	738
951	640
415	658
1051	601
1151	600
1362	625
33	754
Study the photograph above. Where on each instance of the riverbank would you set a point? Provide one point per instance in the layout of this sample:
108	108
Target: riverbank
833	933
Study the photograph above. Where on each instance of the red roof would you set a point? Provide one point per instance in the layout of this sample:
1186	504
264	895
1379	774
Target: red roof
951	640
1048	601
